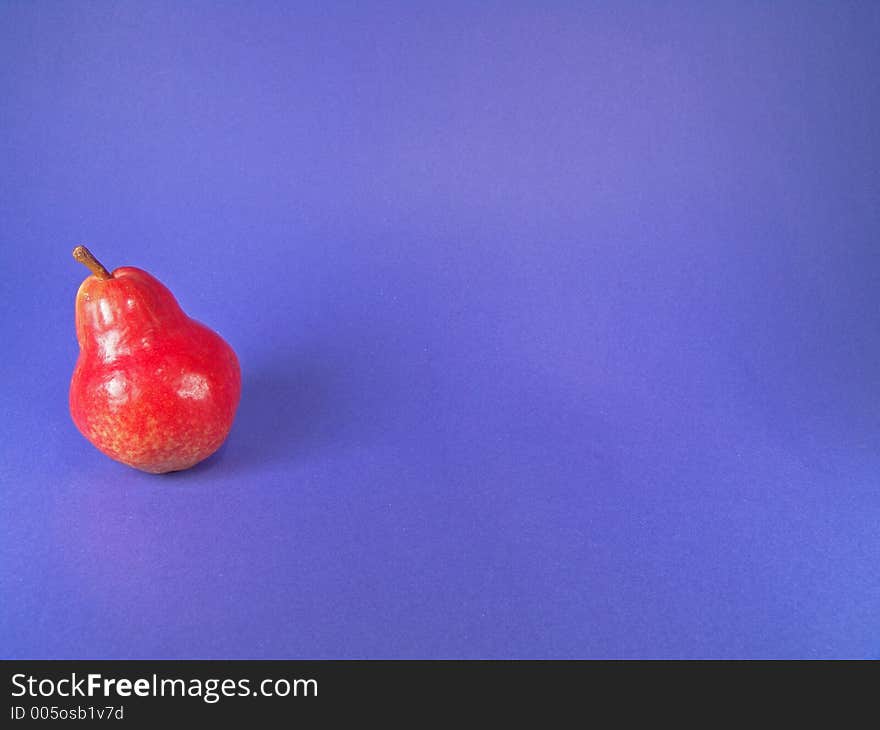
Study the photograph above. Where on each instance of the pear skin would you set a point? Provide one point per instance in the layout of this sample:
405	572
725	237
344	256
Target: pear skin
152	388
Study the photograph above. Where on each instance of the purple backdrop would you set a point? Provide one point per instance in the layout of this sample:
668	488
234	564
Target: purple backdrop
558	322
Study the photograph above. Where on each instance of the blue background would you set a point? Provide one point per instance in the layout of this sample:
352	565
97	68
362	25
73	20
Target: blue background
558	323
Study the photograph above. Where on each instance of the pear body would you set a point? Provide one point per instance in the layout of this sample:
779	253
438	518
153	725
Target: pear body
152	388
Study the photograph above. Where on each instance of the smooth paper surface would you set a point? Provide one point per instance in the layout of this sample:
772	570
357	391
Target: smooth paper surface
559	326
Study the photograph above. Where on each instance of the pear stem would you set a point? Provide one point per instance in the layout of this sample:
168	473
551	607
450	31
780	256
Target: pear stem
87	258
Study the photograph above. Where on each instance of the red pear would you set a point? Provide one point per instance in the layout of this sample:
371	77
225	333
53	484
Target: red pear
152	388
